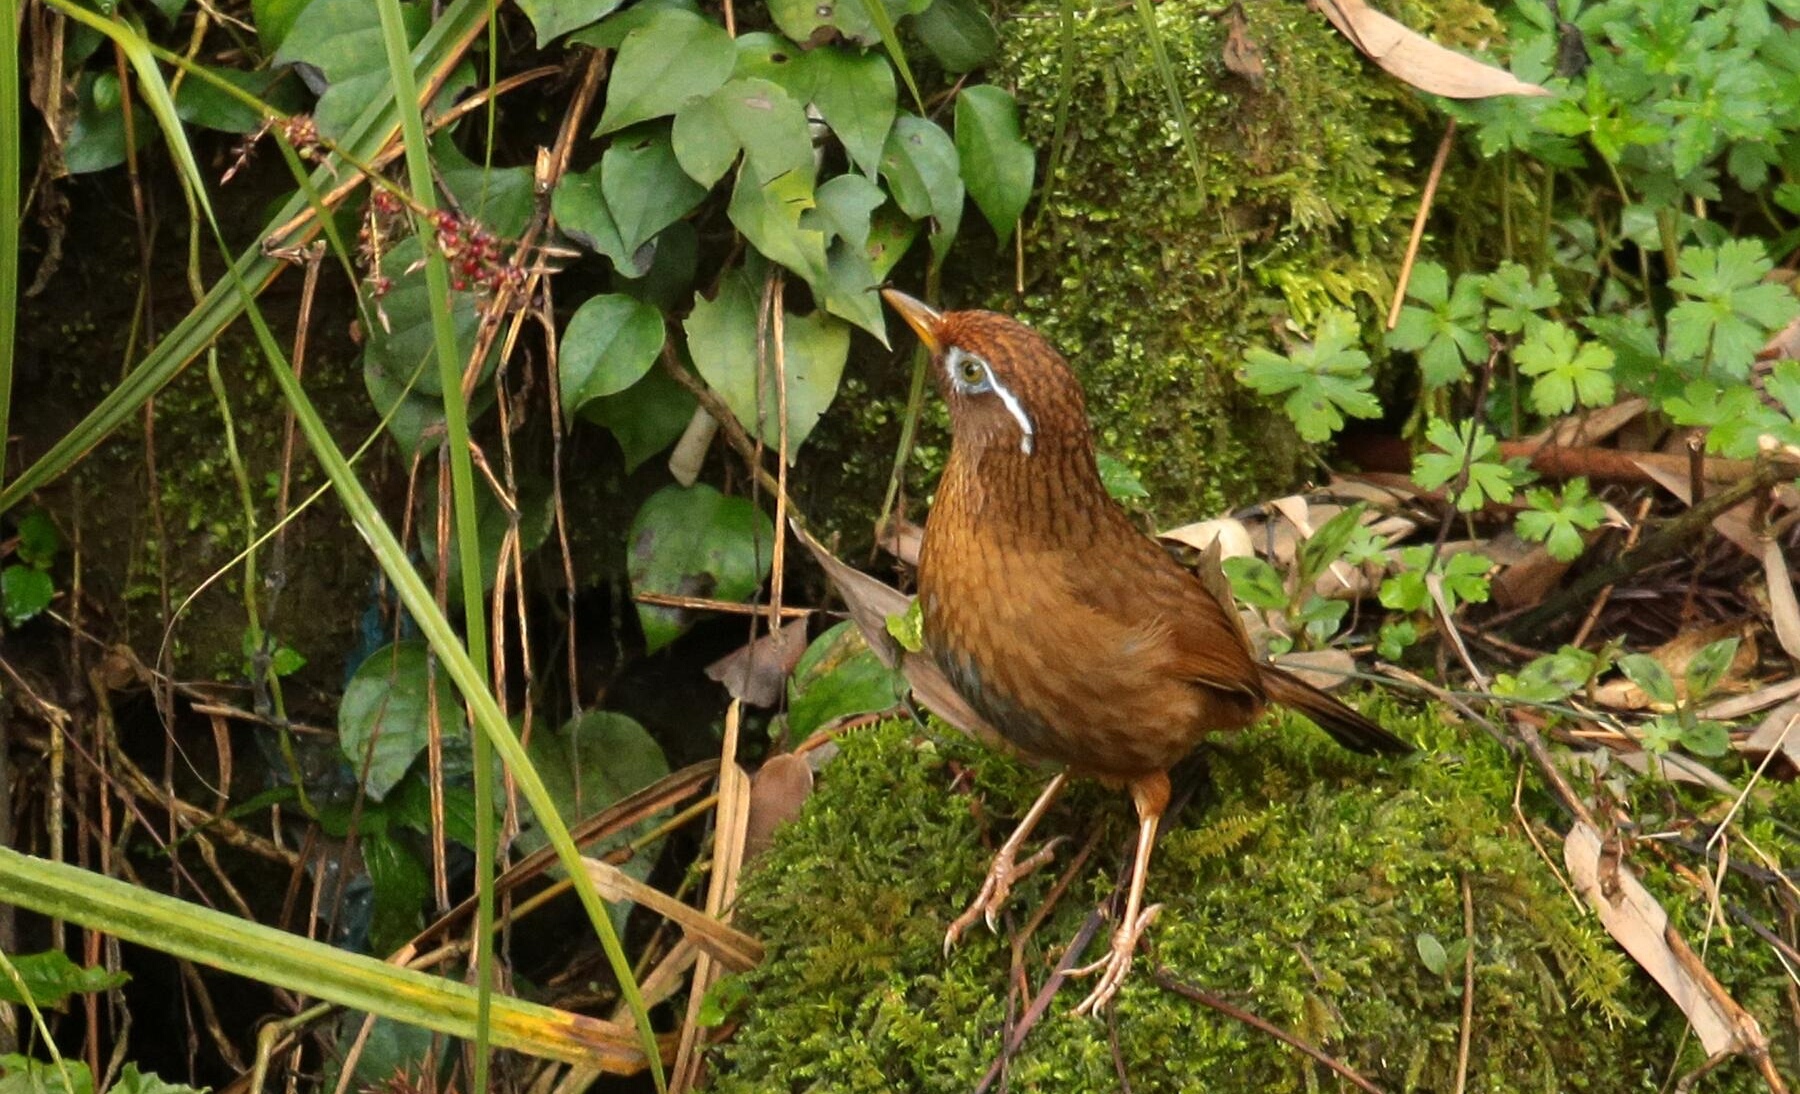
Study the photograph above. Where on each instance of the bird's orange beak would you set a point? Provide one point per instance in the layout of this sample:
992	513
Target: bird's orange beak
920	316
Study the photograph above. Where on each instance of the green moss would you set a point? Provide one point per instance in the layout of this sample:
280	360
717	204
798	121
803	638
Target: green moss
1297	885
1156	289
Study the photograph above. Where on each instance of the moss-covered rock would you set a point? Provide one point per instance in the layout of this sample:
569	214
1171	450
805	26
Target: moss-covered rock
1299	885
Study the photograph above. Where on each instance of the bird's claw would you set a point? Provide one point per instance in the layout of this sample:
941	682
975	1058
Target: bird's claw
1115	964
995	888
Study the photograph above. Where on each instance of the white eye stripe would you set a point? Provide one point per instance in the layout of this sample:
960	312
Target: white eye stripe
956	358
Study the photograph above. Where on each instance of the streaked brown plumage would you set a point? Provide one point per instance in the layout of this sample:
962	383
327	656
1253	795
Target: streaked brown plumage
1077	637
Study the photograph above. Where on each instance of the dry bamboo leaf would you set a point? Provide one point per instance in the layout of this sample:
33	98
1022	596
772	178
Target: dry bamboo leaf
1641	927
1784	607
1733	524
757	672
1590	427
1416	59
1729	710
1228	532
902	538
1779	732
777	791
1326	670
1677	768
729	946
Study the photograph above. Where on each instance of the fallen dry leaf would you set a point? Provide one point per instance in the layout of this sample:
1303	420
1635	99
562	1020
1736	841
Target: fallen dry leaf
1729	710
1784	607
901	538
1228	532
1416	59
1641	927
1326	670
1778	733
1242	55
1675	655
1529	580
757	672
1734	524
777	791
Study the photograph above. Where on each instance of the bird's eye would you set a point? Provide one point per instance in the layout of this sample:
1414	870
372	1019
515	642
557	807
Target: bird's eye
971	371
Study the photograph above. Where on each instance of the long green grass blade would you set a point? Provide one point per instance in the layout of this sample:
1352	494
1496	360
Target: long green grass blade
1146	13
462	485
271	956
10	166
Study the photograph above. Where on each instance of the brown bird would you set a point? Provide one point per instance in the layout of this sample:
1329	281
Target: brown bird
1077	637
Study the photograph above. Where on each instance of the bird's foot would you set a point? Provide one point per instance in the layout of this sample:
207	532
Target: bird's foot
996	888
1113	967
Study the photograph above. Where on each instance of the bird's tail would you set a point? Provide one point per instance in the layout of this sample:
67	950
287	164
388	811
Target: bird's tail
1346	726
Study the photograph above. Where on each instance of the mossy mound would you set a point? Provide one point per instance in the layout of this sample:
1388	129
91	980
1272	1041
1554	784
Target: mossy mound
1154	282
1297	885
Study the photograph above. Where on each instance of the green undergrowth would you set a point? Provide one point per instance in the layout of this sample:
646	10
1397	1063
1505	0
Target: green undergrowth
1320	890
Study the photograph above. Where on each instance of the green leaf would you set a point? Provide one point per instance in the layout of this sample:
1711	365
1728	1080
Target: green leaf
500	198
24	592
1567	370
1557	521
1446	334
646	417
24	1075
855	94
1707	738
1518	297
594	760
753	116
922	170
96	139
1731	310
1395	638
645	189
958	33
1735	417
1707	667
770	214
1473	447
535	516
671	60
1431	952
50	977
1120	481
722	341
609	345
838	677
403	340
1327	543
201	102
998	165
400	884
39	541
579	205
1255	582
1323	381
908	629
384	716
342	40
843	207
1648	674
694	541
554	18
765	56
815	21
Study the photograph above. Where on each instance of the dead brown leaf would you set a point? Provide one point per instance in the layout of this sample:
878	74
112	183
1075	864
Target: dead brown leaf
1778	733
1416	59
1641	927
1784	607
756	673
777	791
1326	670
1228	532
1242	55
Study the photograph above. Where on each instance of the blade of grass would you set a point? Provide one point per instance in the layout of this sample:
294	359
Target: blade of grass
10	166
389	553
462	485
890	41
270	956
1146	13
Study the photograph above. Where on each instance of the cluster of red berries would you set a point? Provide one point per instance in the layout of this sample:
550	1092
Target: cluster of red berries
475	254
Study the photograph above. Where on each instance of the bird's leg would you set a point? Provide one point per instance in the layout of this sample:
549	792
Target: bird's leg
1006	868
1151	795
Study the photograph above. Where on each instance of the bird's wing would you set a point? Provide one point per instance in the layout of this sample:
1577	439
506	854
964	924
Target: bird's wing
1200	633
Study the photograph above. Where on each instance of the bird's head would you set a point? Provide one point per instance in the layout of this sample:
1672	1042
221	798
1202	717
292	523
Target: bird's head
1006	386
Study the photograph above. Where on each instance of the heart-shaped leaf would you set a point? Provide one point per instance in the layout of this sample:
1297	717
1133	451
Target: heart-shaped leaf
675	57
854	92
750	115
384	716
921	166
695	541
610	343
646	417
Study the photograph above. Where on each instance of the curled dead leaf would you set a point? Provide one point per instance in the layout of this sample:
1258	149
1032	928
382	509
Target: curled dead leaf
1405	53
757	672
777	791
